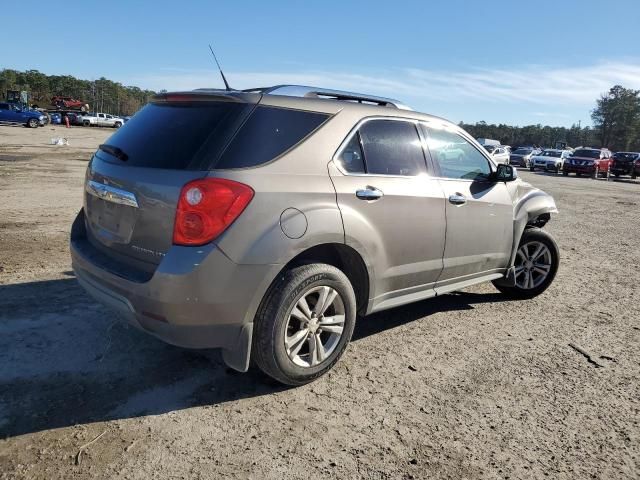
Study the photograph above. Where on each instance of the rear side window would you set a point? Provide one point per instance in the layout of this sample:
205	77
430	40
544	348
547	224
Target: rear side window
352	158
176	135
392	147
268	133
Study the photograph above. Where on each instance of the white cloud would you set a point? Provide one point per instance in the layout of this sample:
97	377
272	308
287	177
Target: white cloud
530	84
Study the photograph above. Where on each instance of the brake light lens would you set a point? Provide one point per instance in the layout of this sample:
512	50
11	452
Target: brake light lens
207	207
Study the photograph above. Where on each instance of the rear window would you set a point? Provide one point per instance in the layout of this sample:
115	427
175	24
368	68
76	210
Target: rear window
176	135
268	133
205	135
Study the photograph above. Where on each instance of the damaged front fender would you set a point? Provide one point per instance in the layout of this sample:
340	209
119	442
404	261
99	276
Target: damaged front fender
531	208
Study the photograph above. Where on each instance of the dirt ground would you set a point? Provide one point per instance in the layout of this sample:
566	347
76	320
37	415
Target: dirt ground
467	385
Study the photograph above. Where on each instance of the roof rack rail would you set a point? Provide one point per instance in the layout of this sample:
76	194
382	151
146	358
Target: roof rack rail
316	92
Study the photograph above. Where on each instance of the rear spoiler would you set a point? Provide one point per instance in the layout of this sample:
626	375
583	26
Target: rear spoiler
208	95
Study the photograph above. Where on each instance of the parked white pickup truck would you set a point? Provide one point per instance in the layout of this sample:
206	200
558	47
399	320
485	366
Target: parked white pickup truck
102	120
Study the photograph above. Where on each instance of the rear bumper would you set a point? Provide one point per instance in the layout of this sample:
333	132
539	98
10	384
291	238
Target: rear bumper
196	298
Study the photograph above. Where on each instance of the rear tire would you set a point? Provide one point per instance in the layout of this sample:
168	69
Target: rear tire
532	168
534	273
290	321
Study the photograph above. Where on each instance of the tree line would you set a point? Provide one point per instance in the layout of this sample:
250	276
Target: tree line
616	125
616	116
102	95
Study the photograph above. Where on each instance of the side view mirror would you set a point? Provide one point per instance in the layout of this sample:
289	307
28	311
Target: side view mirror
505	173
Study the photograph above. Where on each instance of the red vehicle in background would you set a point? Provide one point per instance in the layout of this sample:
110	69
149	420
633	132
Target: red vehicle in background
68	103
588	161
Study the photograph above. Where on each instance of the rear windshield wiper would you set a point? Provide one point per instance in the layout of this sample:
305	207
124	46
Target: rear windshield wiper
115	151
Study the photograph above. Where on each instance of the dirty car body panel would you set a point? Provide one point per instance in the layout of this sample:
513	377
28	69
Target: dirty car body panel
412	241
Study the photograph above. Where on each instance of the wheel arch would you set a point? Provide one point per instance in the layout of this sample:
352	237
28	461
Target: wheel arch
532	209
344	258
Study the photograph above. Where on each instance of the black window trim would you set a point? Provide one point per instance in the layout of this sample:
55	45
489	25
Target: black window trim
356	131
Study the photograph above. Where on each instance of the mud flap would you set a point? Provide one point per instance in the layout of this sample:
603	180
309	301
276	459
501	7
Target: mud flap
238	357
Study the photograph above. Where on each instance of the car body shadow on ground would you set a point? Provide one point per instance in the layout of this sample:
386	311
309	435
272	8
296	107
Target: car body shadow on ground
65	360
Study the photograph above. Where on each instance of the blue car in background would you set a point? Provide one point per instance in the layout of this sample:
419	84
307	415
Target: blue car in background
56	118
12	113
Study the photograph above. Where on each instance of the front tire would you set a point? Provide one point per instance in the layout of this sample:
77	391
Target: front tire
32	123
536	265
304	323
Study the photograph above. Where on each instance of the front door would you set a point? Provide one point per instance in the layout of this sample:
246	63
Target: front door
393	211
479	211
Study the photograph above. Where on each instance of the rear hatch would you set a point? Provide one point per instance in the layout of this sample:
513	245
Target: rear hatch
134	180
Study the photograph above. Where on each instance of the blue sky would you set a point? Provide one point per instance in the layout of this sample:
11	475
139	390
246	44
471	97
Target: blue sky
500	61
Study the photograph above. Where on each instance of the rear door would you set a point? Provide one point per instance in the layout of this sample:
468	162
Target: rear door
134	180
479	212
391	207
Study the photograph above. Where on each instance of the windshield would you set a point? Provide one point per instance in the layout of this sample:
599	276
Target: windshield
551	153
626	155
523	151
587	153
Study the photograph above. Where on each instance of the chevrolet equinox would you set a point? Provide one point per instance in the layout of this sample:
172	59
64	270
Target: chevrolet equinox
265	221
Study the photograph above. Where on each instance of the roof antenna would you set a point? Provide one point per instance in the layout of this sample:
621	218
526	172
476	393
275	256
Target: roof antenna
226	84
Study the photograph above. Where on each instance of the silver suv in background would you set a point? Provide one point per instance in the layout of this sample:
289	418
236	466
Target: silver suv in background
264	222
550	159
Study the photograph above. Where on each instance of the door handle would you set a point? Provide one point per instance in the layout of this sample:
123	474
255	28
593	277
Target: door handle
457	199
369	193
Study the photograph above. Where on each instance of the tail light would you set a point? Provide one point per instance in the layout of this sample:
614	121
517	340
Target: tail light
207	207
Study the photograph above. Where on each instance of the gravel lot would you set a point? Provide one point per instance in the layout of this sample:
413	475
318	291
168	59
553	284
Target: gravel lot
467	385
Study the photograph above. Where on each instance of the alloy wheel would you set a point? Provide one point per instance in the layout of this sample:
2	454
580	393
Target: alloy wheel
533	264
314	326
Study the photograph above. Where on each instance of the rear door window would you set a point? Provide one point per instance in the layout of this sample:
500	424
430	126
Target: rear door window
392	147
268	133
